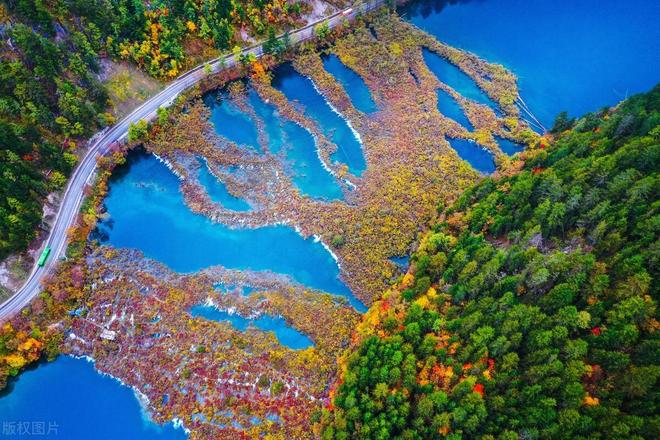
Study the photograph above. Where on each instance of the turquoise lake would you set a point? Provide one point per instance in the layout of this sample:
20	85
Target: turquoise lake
285	334
217	191
575	56
352	83
297	87
230	122
75	402
288	138
147	212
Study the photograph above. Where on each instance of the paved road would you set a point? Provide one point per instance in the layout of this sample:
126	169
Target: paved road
85	171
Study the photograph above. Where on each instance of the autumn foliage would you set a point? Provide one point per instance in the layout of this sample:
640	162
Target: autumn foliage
543	318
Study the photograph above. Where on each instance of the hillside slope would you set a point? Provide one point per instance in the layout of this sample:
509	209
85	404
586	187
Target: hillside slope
530	310
52	95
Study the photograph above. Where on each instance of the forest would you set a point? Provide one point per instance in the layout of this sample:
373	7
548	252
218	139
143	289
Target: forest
51	92
530	308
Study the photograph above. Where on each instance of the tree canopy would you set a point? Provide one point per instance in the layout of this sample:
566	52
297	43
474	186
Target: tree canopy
51	95
530	309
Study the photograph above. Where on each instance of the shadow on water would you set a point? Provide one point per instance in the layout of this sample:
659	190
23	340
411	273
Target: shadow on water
132	157
425	8
14	381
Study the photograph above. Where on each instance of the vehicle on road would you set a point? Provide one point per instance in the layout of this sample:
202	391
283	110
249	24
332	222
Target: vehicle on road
104	141
44	256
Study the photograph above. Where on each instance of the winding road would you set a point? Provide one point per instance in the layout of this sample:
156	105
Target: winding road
102	141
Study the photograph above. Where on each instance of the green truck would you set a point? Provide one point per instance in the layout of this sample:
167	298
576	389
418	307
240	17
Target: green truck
44	257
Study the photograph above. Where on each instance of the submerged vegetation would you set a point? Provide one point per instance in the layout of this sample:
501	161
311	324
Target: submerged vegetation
530	308
410	165
133	316
52	67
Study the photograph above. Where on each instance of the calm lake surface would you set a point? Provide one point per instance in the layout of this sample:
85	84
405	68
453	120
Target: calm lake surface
448	106
455	78
230	122
285	334
297	87
353	83
287	138
76	402
217	190
481	159
147	212
576	56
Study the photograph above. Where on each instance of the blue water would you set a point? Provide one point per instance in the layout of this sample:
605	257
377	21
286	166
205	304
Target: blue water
299	88
508	146
353	84
455	78
401	261
218	191
308	172
272	121
576	56
304	165
479	158
77	403
147	212
286	335
245	290
229	121
448	106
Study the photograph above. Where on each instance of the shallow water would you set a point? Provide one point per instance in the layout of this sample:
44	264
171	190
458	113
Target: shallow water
508	146
307	171
229	121
272	121
285	334
353	84
299	88
480	159
455	78
402	262
448	106
296	144
147	212
73	401
576	56
217	190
